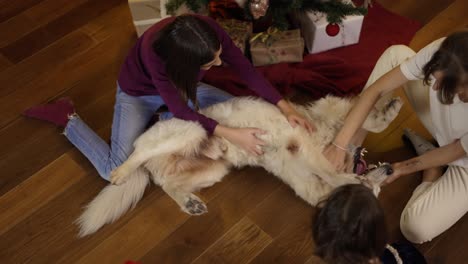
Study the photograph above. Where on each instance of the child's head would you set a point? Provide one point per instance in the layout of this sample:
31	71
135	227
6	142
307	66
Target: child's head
350	228
449	65
187	45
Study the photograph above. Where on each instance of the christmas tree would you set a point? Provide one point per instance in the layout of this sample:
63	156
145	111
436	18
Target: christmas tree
335	10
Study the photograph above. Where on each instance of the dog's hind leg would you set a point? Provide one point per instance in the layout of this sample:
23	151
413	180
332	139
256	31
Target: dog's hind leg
136	159
379	119
181	176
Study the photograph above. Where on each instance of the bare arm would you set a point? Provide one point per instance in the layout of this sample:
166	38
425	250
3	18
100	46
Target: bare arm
390	81
294	118
431	159
358	114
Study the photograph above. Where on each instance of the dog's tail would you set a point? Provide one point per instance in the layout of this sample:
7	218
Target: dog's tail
112	202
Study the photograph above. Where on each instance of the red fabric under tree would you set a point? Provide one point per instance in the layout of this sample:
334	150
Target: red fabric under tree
342	71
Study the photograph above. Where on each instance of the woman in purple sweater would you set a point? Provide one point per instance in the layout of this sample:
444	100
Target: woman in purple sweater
165	68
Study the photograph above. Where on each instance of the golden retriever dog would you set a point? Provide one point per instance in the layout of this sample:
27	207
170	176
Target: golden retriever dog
180	157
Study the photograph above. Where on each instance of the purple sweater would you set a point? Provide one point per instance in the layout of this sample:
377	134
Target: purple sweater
143	73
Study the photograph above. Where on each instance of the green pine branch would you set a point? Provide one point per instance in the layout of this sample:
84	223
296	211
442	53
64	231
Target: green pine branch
336	10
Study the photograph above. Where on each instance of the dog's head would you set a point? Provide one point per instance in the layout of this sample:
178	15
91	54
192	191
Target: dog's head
375	175
371	176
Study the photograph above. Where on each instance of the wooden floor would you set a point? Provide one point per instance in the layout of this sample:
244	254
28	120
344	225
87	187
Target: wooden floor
55	48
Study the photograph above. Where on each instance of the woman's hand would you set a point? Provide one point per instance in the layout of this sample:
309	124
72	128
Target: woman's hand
397	173
246	138
336	156
295	118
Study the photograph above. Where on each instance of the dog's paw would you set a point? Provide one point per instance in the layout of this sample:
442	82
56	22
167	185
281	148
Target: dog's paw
194	206
392	108
117	177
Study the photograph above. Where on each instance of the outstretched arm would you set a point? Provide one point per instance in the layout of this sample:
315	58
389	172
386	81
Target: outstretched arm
431	159
390	81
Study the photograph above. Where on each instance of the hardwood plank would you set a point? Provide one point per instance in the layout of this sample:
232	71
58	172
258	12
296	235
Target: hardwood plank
21	74
50	233
412	9
314	260
78	248
37	238
34	18
9	8
186	243
69	72
42	37
278	211
293	245
142	235
449	20
239	245
37	191
4	63
46	143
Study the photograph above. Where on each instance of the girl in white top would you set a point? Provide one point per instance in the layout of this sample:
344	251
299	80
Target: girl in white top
436	82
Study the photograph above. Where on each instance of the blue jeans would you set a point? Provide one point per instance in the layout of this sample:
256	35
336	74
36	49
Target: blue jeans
131	116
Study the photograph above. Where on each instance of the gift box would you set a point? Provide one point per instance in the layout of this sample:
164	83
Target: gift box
239	31
319	35
146	13
274	46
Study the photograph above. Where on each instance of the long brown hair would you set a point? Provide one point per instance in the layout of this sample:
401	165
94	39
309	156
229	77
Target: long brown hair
452	60
350	228
185	45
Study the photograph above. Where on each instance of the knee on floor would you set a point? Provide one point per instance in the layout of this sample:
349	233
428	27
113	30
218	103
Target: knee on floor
416	228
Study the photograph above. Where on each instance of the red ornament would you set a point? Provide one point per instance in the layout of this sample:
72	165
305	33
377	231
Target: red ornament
332	29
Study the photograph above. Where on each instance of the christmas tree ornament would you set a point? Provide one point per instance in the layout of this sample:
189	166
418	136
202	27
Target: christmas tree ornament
332	29
258	8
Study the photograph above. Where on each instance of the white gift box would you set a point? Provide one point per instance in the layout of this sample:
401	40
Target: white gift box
313	27
146	13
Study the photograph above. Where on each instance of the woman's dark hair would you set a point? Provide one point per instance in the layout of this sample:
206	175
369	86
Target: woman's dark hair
185	45
452	60
350	228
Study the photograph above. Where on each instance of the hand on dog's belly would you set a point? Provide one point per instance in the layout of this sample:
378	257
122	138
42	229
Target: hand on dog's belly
245	138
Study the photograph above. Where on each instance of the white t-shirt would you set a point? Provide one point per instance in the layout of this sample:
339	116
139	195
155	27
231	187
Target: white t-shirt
450	121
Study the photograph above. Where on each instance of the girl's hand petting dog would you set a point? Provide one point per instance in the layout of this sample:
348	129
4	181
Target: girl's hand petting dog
336	157
294	118
245	138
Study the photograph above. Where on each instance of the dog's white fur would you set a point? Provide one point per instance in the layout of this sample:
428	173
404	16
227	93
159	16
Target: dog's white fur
181	158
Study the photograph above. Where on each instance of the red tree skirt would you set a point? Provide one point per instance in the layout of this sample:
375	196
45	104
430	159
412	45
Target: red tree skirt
342	71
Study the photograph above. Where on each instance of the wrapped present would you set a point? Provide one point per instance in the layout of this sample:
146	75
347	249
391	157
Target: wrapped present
146	13
319	35
238	30
274	46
